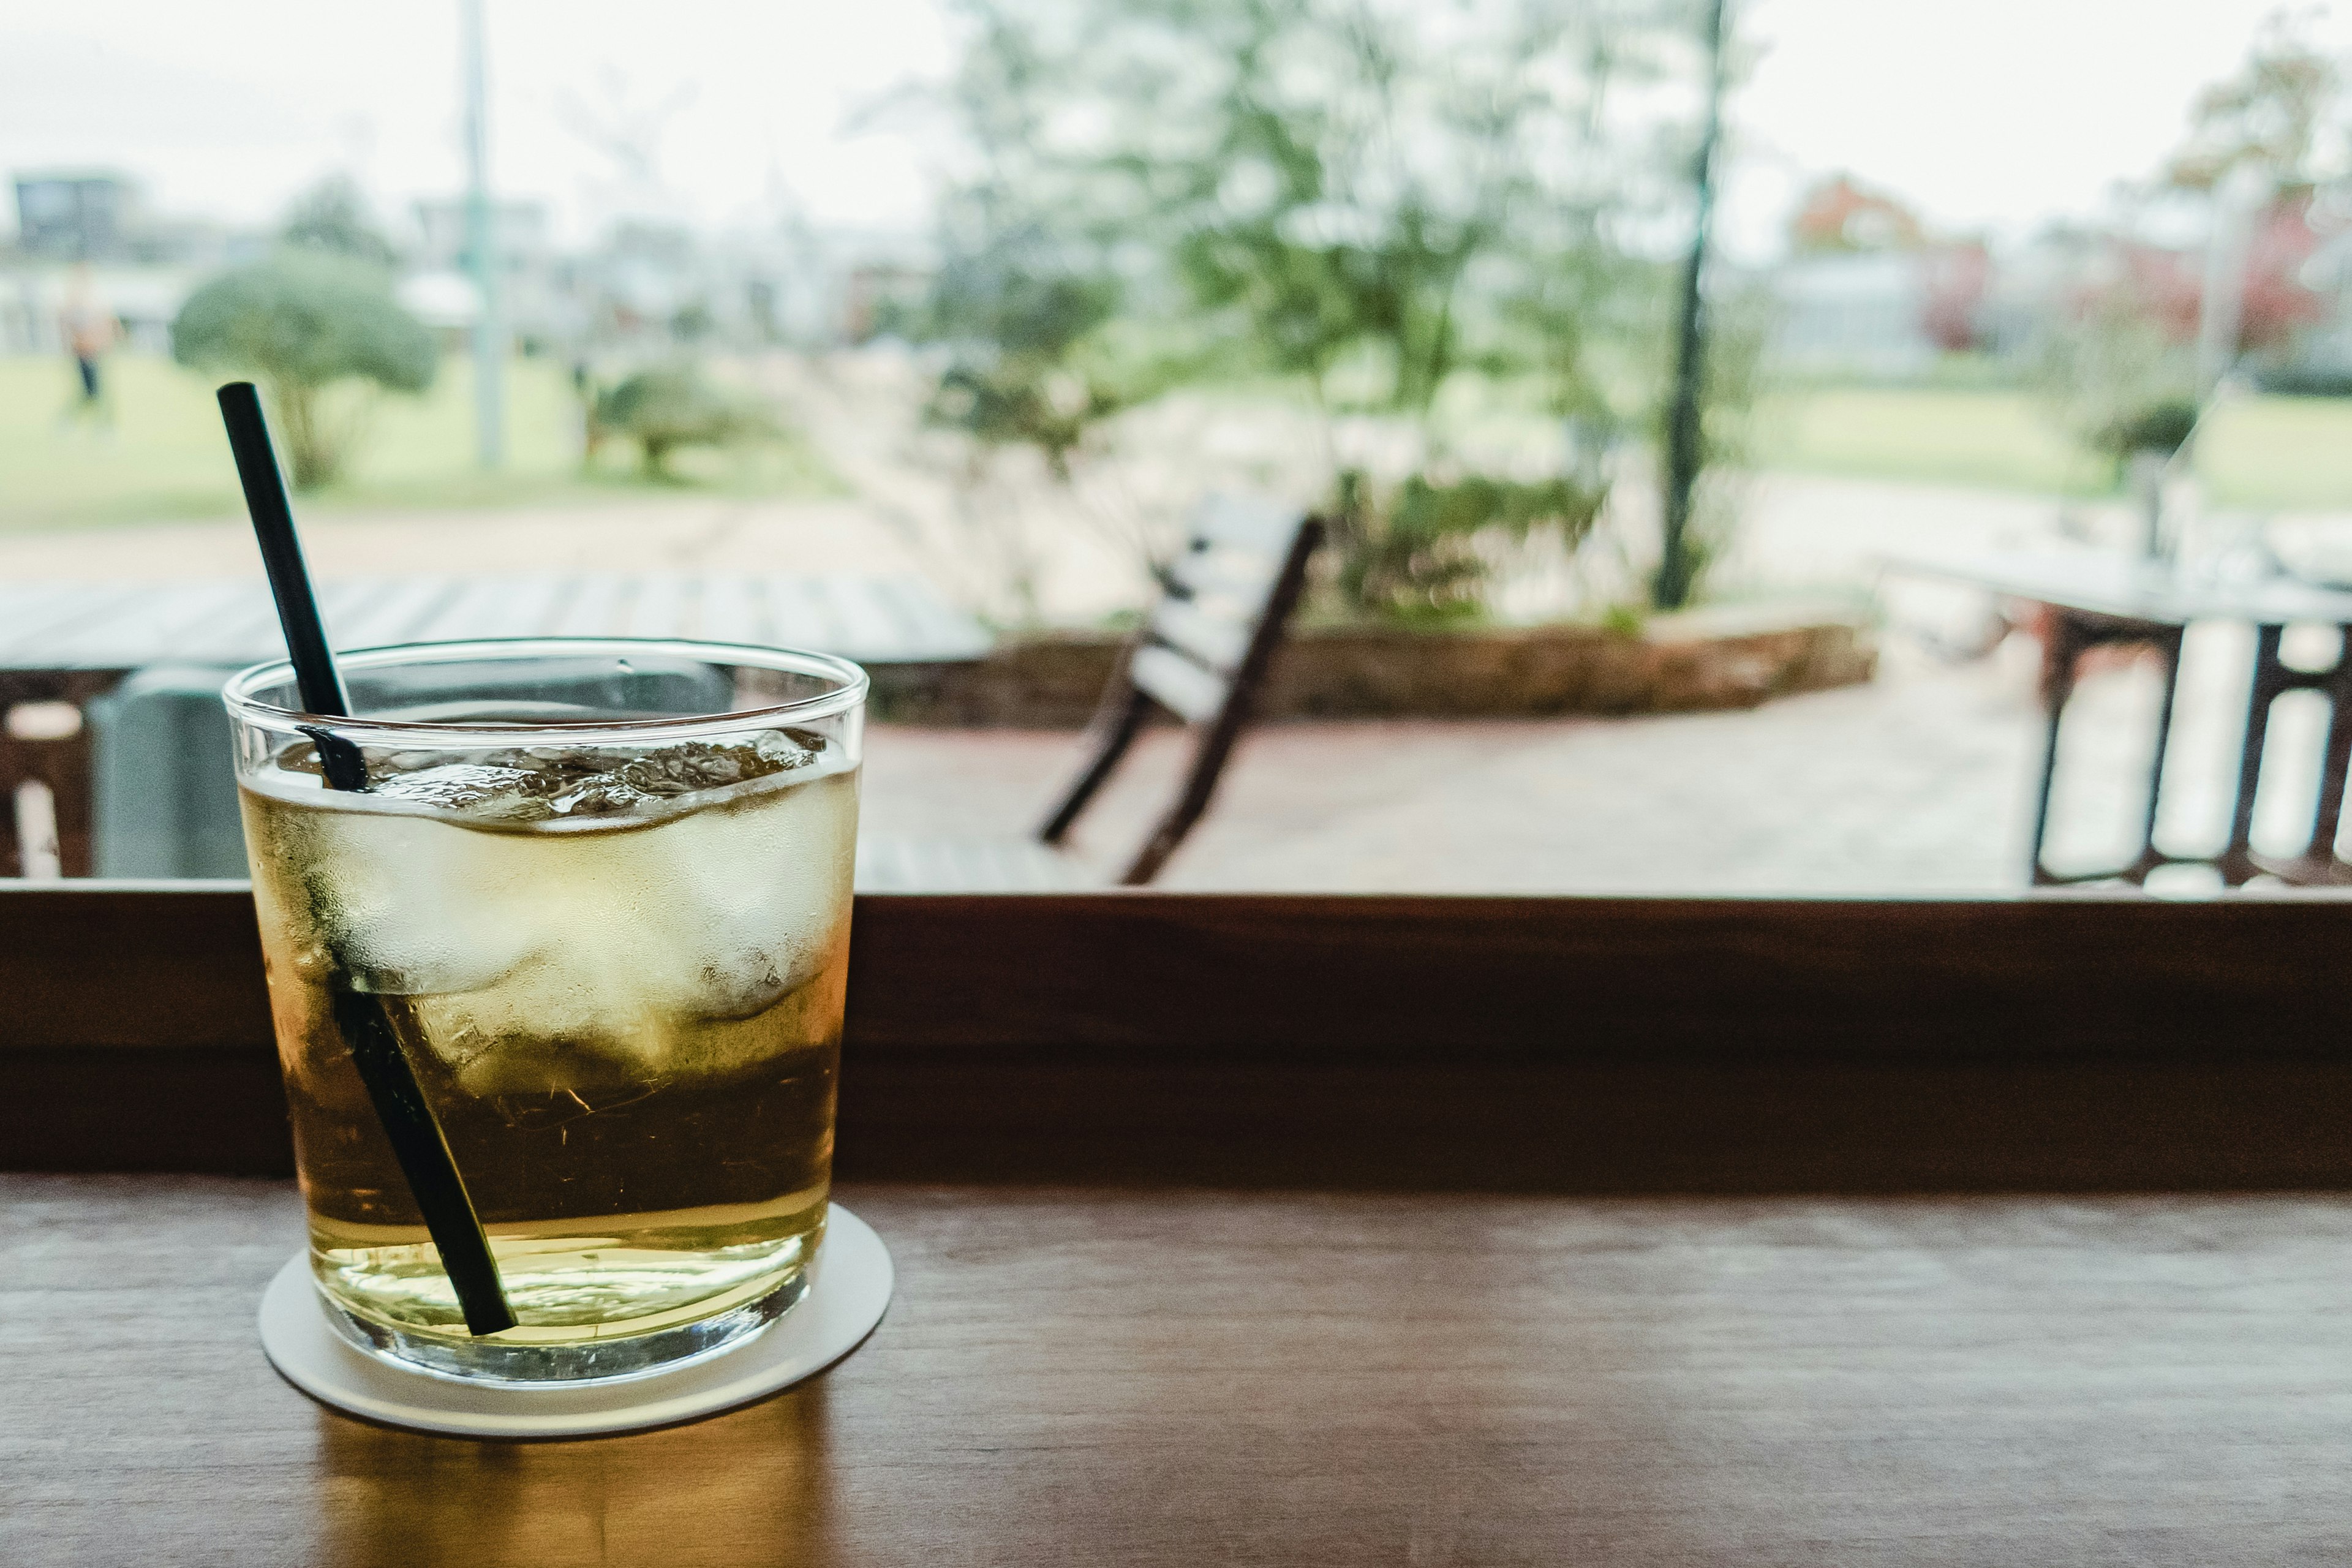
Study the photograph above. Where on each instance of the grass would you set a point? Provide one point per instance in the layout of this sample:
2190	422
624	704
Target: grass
166	459
2264	452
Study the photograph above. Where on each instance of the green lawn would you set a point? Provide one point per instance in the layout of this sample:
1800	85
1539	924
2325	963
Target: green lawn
2282	452
166	457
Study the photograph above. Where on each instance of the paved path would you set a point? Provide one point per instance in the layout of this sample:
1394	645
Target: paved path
1919	785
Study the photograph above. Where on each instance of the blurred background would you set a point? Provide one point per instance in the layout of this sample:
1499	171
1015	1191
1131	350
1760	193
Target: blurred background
1711	343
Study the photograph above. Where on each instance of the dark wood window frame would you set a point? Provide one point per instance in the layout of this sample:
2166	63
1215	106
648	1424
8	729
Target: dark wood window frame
2076	1042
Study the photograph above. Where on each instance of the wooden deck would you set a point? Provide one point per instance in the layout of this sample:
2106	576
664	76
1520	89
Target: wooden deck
68	643
68	626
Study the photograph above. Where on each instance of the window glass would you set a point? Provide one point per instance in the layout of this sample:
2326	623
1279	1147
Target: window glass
1511	446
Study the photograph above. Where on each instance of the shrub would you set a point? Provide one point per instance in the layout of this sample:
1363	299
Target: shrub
1419	554
2117	380
299	323
2162	426
663	410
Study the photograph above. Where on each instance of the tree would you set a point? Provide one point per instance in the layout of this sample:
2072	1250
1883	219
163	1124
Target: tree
2118	380
333	217
1368	197
1680	557
300	323
1017	328
2119	365
2275	115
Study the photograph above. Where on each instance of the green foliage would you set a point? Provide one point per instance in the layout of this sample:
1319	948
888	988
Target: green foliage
1381	191
1013	404
1372	200
665	409
1625	620
1423	553
2112	375
2163	427
2275	115
331	217
300	322
1017	326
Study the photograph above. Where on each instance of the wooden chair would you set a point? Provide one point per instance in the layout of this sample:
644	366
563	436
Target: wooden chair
1202	656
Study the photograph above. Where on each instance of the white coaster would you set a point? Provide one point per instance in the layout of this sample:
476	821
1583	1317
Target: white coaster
848	1290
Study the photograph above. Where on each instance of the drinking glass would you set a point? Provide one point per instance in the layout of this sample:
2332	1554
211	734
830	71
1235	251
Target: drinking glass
600	891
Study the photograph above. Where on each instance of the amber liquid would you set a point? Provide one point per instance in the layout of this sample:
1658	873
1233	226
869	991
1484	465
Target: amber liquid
630	1036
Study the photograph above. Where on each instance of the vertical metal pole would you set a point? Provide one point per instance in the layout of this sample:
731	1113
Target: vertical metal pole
481	250
1684	455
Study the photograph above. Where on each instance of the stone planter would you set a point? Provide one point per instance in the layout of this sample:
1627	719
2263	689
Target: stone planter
1730	657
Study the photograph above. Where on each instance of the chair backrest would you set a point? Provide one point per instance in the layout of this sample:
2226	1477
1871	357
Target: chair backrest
163	777
1203	655
1229	596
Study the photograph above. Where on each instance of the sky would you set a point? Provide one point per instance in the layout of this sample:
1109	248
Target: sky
1986	115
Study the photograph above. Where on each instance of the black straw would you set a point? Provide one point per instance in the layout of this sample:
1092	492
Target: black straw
281	553
371	1025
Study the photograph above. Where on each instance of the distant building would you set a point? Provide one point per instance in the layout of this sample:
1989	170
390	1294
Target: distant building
1867	290
2295	302
1838	215
1863	312
73	217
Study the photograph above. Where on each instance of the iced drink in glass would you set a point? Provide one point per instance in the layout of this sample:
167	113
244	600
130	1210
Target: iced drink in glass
601	891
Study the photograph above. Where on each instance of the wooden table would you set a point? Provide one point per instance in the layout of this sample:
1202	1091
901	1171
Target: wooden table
2101	599
1092	1377
72	642
1279	1230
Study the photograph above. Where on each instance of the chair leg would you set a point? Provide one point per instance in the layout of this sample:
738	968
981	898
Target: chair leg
1200	787
2335	763
2151	857
1120	735
1217	743
2060	649
2270	679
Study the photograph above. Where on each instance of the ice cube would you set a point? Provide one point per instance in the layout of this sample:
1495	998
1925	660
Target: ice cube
399	900
617	905
470	789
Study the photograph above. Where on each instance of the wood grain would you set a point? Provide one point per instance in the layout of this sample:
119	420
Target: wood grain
1178	1378
2059	1043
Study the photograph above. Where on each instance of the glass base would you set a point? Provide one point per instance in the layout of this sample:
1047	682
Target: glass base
486	1360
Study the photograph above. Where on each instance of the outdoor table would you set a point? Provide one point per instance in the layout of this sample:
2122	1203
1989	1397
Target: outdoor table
2097	599
1291	1230
72	642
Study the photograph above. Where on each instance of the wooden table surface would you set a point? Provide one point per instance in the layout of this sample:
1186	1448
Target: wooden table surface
1180	1377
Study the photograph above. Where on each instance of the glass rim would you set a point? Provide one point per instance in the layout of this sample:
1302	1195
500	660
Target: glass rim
237	691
